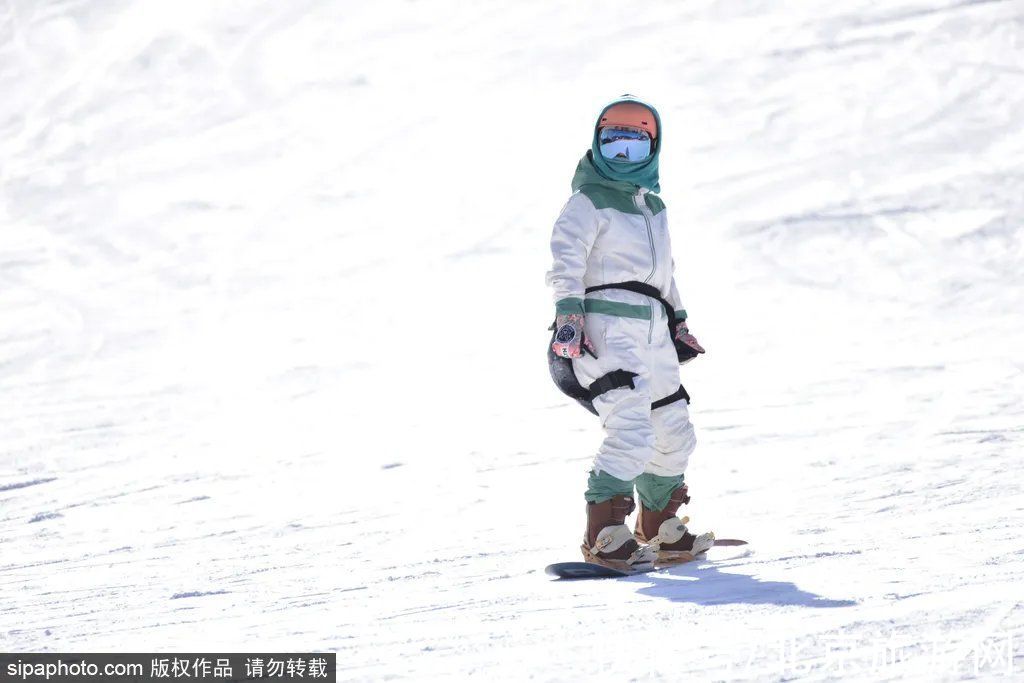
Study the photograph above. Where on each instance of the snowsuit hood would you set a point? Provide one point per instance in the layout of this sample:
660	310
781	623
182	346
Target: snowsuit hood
620	175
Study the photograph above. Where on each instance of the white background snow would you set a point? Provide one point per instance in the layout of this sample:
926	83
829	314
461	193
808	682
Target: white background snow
272	324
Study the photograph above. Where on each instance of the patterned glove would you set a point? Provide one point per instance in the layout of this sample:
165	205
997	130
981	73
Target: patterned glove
687	346
570	339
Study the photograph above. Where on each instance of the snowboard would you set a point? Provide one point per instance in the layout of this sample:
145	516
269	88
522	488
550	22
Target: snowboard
589	570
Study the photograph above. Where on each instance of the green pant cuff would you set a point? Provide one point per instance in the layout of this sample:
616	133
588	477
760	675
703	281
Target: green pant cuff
655	490
602	486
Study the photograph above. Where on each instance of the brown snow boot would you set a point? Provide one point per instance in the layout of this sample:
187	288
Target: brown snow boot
667	534
608	541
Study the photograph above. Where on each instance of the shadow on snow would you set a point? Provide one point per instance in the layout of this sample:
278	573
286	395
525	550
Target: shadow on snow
707	585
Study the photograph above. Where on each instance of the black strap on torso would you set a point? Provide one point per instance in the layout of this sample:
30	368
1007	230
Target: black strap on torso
641	288
565	377
653	292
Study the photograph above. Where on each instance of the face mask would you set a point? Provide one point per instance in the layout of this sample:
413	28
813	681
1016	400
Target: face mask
619	143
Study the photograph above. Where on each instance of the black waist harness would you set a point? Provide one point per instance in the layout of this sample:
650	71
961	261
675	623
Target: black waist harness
565	378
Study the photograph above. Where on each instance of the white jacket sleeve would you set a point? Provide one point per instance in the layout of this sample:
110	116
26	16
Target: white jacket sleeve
571	241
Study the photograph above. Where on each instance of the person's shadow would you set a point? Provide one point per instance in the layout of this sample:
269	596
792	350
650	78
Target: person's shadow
705	583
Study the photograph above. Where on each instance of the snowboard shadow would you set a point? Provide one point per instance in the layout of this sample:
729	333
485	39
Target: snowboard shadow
706	584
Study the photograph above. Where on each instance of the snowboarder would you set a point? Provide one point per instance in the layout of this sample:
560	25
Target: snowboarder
620	334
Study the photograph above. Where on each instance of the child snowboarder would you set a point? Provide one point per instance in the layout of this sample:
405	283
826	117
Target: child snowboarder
621	325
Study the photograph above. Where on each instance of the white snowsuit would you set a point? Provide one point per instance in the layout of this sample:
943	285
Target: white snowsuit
605	235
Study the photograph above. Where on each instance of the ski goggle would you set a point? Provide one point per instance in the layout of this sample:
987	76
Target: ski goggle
619	143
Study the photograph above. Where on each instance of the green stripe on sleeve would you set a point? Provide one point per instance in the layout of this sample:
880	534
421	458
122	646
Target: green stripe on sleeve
569	305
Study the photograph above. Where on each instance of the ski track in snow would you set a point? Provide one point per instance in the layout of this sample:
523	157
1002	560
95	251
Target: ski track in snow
272	315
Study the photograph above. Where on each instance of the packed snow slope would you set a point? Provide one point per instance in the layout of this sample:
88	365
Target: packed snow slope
272	324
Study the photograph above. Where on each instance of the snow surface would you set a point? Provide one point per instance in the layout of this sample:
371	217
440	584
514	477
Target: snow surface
272	320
